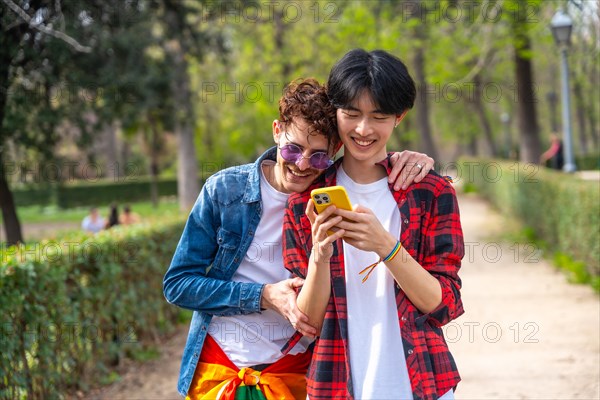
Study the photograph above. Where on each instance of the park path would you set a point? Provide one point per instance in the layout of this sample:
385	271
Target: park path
526	332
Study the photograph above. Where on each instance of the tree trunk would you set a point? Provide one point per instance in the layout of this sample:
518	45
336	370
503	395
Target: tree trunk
12	226
154	164
591	105
530	147
472	146
280	29
188	185
580	107
111	152
422	102
422	105
479	108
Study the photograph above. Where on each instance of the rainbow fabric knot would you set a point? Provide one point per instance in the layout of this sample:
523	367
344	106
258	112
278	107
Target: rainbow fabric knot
249	376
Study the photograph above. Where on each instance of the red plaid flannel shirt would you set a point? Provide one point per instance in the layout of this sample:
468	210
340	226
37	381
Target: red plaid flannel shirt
432	234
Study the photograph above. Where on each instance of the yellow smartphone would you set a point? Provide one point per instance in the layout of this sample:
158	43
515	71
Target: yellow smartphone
327	196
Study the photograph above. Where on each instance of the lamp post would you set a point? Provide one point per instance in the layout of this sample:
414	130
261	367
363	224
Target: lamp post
561	25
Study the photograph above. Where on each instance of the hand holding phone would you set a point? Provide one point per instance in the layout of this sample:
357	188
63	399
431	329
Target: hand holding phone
331	195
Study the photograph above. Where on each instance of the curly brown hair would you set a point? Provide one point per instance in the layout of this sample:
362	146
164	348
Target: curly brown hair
307	99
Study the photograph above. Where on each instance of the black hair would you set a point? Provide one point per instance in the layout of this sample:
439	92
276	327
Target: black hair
385	77
113	215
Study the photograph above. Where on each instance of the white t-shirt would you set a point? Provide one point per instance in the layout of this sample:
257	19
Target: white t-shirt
93	226
257	338
377	363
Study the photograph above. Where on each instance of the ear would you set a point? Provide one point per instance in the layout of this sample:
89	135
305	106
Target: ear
400	118
276	130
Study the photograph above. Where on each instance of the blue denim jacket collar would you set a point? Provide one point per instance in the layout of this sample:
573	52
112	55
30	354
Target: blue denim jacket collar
252	191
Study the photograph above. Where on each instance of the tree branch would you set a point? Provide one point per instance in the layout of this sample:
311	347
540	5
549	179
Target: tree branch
47	30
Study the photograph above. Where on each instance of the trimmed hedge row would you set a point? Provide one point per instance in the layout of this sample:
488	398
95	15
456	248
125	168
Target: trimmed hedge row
91	194
71	309
560	208
588	162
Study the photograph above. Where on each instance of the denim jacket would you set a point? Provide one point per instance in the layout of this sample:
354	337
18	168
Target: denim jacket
216	237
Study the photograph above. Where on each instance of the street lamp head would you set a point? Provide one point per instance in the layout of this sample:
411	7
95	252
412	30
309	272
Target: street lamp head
561	26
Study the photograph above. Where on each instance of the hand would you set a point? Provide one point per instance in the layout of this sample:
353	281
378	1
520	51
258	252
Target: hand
409	167
281	297
321	223
364	231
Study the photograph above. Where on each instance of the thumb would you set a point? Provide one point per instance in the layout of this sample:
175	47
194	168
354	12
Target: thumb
361	209
297	282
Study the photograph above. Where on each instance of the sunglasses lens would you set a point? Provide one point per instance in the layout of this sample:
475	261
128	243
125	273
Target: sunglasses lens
320	160
291	153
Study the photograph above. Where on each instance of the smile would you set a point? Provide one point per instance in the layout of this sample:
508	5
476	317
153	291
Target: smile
299	174
364	143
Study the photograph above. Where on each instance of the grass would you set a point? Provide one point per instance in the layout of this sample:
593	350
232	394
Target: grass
50	221
36	214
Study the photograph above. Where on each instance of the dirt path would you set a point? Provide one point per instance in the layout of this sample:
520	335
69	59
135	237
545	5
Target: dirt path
526	333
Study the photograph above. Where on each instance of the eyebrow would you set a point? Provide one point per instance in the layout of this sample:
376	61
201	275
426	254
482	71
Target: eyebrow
304	148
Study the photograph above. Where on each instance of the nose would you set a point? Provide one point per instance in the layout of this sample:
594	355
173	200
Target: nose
363	127
303	163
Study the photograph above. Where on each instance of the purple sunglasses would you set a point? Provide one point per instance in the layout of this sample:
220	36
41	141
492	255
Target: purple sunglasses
292	153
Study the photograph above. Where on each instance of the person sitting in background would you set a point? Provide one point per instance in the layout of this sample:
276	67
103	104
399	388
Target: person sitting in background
128	217
113	216
553	157
93	222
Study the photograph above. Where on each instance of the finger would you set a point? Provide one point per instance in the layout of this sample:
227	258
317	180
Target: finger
357	214
310	211
428	165
395	168
296	316
422	173
330	223
297	282
330	239
354	235
409	160
399	165
305	329
412	172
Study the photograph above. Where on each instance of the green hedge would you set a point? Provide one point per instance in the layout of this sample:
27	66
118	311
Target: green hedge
33	196
560	208
588	162
71	309
92	194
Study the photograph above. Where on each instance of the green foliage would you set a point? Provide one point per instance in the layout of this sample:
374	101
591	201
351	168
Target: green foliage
560	209
469	188
71	309
576	269
33	196
93	194
588	162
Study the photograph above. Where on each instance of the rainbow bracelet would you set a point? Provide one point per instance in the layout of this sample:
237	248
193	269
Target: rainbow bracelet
394	252
389	257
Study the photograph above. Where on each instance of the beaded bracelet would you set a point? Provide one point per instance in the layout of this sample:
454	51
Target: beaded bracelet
389	257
